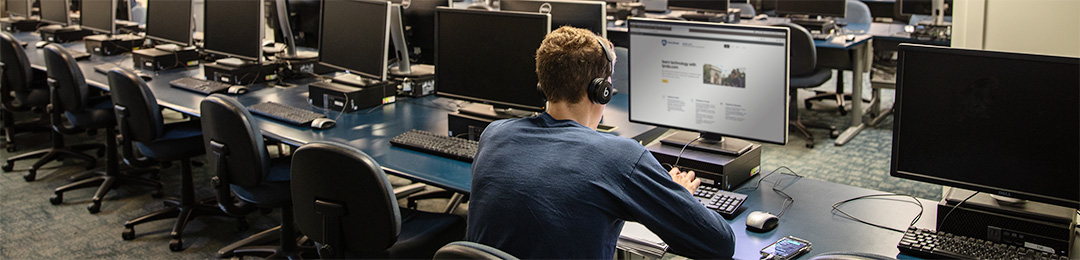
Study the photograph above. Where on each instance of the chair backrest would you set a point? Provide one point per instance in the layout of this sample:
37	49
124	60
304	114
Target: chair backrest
225	121
341	198
137	110
17	72
802	50
745	9
857	13
66	77
471	250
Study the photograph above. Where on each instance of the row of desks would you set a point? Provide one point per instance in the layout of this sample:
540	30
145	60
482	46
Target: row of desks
810	217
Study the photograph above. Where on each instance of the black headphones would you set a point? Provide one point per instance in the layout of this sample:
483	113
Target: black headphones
600	89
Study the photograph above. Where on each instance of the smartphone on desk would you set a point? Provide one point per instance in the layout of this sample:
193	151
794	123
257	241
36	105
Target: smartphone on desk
786	248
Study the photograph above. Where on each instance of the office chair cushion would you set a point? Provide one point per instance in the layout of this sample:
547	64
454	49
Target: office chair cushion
272	192
422	234
858	15
802	50
818	77
471	250
179	141
34	97
98	113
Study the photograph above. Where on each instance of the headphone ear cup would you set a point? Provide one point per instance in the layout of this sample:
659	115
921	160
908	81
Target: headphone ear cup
600	91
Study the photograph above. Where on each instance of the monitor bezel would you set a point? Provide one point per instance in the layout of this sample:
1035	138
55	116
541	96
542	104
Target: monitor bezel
902	50
28	11
439	91
683	8
191	25
261	30
602	14
386	41
906	11
67	14
787	74
781	11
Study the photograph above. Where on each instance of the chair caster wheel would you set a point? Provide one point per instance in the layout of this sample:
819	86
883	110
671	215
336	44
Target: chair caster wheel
8	167
809	145
56	199
128	234
30	176
176	245
157	194
94	207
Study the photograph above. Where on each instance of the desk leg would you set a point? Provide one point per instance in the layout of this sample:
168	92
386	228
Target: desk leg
862	59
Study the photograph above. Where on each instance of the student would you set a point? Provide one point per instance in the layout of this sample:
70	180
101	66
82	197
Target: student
551	186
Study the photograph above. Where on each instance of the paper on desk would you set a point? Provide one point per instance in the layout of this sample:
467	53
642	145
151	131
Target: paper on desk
638	239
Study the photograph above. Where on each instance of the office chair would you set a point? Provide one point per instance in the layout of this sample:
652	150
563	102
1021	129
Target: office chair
857	18
18	77
804	74
470	250
145	130
71	96
21	89
243	168
745	9
343	201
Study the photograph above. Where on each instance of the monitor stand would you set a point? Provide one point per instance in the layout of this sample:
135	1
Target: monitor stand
708	142
471	120
494	112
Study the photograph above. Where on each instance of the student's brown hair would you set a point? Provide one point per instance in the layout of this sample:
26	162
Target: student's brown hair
567	61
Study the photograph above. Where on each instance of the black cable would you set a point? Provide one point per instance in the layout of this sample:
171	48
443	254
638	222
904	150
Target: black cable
942	223
836	208
788	199
758	184
684	149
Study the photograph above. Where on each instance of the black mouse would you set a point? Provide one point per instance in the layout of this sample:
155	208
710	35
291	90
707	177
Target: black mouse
760	221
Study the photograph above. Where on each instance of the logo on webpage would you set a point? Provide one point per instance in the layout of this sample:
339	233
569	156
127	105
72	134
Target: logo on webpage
663	42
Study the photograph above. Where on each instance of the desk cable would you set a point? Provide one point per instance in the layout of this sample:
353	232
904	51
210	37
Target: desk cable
676	165
788	199
943	219
836	208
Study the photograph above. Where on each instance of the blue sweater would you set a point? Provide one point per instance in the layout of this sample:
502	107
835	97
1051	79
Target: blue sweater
546	188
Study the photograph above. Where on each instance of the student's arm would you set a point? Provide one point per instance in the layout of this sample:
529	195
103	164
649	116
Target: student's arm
672	212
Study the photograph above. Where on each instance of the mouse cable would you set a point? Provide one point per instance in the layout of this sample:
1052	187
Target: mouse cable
942	222
758	183
788	199
836	208
683	150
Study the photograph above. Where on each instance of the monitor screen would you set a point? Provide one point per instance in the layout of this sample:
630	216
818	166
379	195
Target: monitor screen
730	80
19	8
923	7
355	36
830	8
169	21
418	17
234	28
589	15
54	11
488	57
996	122
714	6
98	15
123	10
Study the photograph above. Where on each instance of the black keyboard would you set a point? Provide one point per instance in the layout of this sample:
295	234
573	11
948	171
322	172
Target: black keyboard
199	85
442	145
78	55
940	245
285	113
723	202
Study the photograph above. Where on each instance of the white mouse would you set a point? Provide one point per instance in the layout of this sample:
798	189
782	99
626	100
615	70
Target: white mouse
322	123
40	44
236	90
760	221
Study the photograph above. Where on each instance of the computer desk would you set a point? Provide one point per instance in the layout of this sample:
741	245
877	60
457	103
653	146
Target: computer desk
855	55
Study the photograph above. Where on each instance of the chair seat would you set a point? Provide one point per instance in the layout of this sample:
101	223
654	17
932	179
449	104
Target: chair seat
35	97
178	141
98	113
814	79
272	192
423	233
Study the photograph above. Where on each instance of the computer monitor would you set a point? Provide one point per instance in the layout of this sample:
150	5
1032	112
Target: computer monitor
18	8
123	10
711	6
488	56
355	36
997	122
234	28
829	8
169	21
720	80
926	7
418	17
55	11
99	16
589	15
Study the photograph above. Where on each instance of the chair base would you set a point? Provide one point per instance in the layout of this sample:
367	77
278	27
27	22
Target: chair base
840	98
803	128
247	247
105	182
51	154
11	129
184	213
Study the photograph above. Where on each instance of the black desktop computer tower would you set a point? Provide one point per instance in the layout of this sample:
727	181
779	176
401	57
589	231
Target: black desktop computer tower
104	45
18	25
347	98
724	171
1034	225
154	60
467	126
415	86
242	75
61	34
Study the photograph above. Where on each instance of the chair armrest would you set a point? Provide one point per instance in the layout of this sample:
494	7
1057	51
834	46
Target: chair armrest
408	190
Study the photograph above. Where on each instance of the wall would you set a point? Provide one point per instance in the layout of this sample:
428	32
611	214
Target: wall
1030	26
